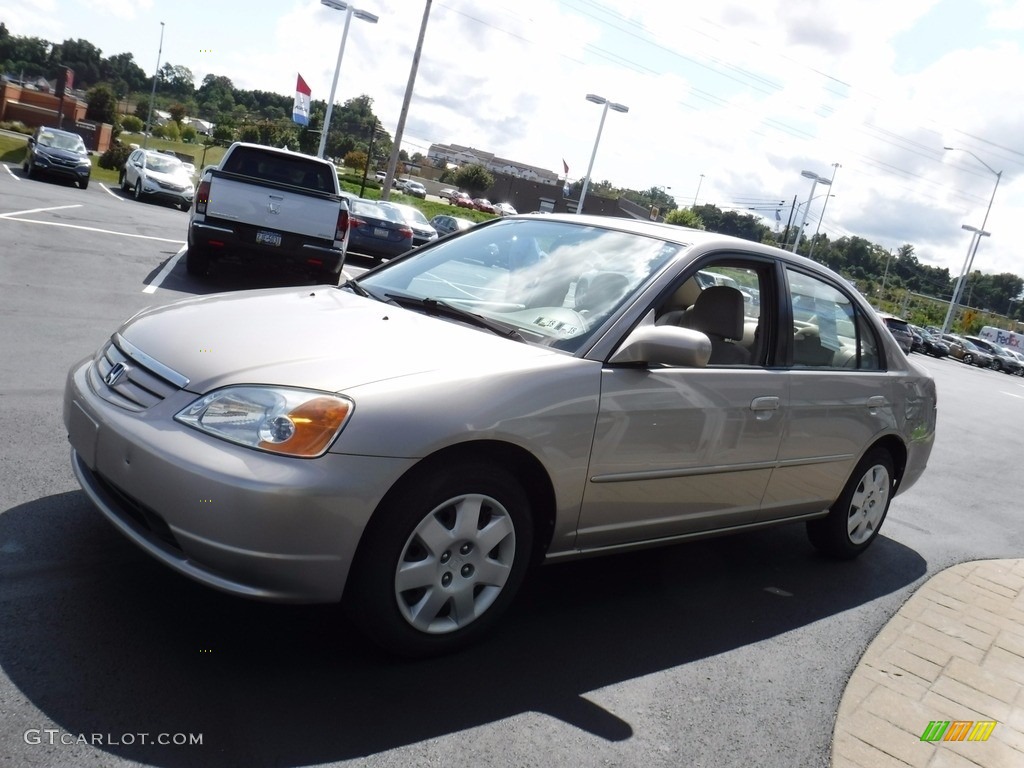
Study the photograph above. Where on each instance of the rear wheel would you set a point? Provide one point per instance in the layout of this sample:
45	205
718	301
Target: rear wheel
854	520
441	559
197	262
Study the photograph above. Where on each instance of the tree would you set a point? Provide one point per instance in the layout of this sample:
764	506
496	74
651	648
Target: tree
101	104
475	179
176	80
178	112
123	74
132	124
81	56
685	217
356	159
189	134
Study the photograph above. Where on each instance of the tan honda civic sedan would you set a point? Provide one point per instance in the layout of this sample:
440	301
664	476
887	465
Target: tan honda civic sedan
533	389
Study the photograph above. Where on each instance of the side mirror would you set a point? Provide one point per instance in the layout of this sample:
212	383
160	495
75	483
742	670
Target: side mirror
31	142
663	344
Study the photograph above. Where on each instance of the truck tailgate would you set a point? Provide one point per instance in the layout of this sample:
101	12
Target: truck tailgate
280	209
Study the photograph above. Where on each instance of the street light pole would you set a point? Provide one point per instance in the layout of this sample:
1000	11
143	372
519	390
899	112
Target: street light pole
152	95
350	11
958	290
984	221
695	194
604	113
817	180
814	240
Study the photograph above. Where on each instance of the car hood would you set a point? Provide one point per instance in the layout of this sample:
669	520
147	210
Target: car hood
63	154
181	178
319	338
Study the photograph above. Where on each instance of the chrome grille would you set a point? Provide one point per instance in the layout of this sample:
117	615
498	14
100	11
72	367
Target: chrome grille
143	383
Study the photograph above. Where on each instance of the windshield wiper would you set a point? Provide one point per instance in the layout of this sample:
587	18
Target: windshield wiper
366	293
437	308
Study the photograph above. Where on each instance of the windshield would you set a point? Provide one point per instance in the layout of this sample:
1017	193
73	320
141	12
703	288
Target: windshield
411	215
70	142
555	282
164	164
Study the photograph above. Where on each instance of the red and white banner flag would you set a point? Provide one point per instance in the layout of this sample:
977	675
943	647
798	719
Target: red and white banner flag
300	112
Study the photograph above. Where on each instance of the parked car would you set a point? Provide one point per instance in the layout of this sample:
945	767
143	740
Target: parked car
483	204
377	230
152	175
1002	360
955	344
504	209
932	344
975	355
52	152
422	231
415	189
900	329
462	200
448	194
411	442
272	206
445	224
380	175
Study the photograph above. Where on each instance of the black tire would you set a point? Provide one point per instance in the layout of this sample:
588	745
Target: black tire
855	519
197	262
83	184
477	519
30	169
326	276
123	181
968	358
138	190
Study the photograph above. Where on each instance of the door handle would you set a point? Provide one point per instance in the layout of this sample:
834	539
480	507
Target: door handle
878	401
764	404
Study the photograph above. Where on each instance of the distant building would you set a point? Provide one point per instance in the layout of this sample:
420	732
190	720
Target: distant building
455	154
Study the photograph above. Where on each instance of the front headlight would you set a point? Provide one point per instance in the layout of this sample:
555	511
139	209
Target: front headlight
293	422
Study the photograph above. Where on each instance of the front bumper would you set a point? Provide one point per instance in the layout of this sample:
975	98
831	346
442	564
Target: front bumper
51	167
239	520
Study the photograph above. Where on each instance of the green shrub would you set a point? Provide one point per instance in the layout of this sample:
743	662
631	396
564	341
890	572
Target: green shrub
115	157
132	124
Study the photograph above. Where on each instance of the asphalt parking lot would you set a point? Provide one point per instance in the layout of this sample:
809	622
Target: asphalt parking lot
730	652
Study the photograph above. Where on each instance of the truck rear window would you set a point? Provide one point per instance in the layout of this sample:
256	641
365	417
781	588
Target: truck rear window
295	171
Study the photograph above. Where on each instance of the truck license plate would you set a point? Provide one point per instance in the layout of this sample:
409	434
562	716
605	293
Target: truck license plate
380	232
268	238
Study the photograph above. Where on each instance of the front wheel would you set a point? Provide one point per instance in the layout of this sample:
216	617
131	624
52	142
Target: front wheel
854	520
83	183
138	189
441	559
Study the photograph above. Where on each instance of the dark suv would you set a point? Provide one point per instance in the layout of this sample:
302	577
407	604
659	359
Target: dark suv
57	153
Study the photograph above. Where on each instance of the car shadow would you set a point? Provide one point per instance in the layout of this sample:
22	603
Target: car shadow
233	277
104	640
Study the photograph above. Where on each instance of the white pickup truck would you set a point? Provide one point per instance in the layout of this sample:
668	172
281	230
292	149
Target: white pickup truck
270	205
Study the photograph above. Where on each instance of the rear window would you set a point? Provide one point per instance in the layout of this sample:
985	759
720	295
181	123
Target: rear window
294	170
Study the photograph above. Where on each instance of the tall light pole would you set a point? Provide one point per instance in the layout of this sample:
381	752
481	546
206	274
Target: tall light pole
396	147
984	221
699	182
350	11
958	290
604	113
814	240
817	180
152	95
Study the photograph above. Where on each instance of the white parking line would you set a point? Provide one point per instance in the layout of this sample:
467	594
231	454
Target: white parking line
38	210
171	263
10	217
11	173
111	192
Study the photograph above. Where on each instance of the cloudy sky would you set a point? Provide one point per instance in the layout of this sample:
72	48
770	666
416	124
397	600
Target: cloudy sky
729	101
